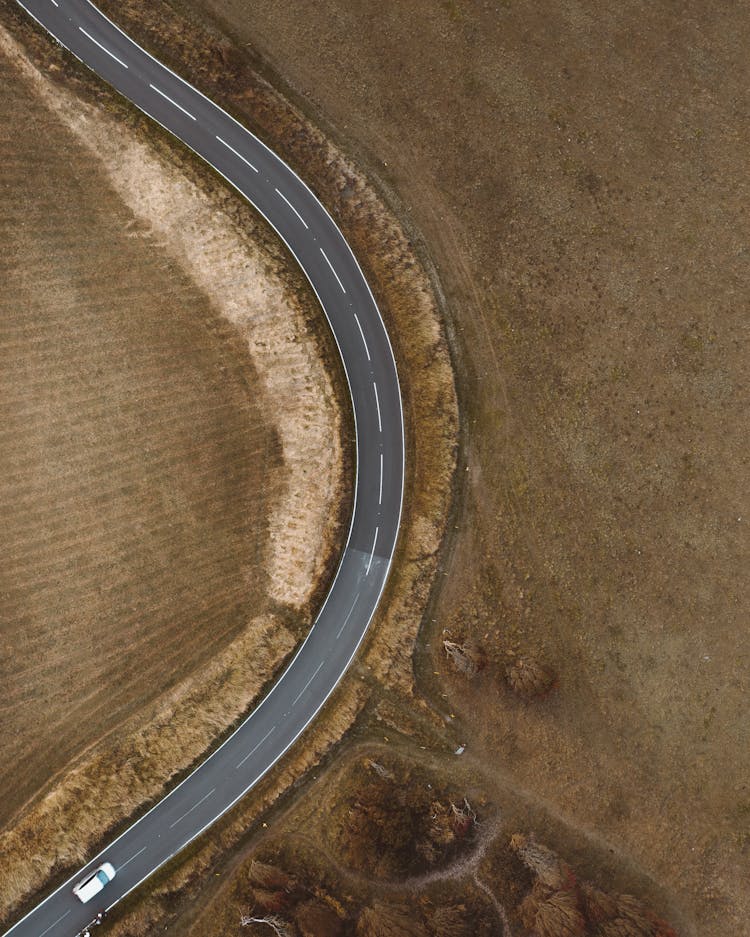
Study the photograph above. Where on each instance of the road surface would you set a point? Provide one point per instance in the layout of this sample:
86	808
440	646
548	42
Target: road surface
326	259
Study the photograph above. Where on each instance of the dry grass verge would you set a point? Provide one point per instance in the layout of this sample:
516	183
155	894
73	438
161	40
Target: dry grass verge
130	772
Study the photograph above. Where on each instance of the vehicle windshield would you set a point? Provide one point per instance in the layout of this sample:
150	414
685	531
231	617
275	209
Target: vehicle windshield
102	876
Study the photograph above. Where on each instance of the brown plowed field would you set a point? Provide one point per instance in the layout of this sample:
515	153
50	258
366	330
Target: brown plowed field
134	462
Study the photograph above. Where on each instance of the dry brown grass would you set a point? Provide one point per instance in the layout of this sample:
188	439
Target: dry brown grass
579	173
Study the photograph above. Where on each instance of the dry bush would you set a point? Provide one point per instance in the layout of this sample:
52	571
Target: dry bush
396	823
528	908
382	920
464	658
272	902
631	910
558	906
451	921
632	919
598	906
549	869
316	919
618	927
270	877
529	679
559	916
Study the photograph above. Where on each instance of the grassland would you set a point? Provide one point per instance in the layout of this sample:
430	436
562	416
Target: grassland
578	176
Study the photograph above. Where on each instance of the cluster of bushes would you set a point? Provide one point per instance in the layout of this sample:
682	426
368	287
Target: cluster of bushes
526	676
558	905
394	822
281	906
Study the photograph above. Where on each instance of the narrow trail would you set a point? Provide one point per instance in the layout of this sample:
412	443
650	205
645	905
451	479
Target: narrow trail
463	867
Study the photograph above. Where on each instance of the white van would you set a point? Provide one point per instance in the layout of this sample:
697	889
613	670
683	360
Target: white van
94	882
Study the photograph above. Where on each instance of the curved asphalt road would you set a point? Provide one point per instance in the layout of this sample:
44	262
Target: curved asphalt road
318	245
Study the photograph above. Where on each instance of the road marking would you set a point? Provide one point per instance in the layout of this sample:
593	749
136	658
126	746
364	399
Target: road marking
304	688
205	797
127	861
167	98
348	616
377	404
372	552
67	912
97	43
380	491
238	155
364	340
332	270
254	750
281	194
55	3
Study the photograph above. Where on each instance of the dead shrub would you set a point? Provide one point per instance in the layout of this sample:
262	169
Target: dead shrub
316	919
382	920
529	679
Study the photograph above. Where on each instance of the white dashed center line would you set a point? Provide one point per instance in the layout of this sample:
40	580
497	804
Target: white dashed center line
66	913
238	155
364	340
332	270
281	195
103	48
380	490
348	616
377	405
128	861
167	98
372	552
55	3
205	797
304	688
254	750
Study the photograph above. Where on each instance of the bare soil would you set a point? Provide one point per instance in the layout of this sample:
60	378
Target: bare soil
133	481
578	174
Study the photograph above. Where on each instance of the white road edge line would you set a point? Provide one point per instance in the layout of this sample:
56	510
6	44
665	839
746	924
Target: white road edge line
377	404
205	797
332	270
305	687
364	340
380	490
128	861
372	552
281	194
97	43
348	616
238	155
66	913
254	750
167	98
